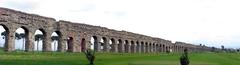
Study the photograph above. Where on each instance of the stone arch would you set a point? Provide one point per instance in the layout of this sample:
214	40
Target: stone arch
24	19
178	48
104	44
23	36
157	48
160	47
150	48
40	40
133	49
146	47
153	47
175	48
163	48
142	47
111	45
4	27
114	45
101	44
44	40
69	44
138	47
56	37
127	46
170	48
120	46
94	43
83	44
167	48
46	45
5	36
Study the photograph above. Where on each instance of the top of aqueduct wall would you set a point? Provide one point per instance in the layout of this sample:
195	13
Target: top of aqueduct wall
10	12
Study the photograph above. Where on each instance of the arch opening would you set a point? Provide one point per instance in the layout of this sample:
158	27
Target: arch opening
20	39
103	44
138	47
55	37
163	48
126	46
142	47
157	48
93	43
69	44
111	45
120	47
4	36
39	38
153	47
160	48
146	47
132	46
150	47
83	44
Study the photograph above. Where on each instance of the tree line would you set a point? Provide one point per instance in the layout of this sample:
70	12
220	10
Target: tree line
37	37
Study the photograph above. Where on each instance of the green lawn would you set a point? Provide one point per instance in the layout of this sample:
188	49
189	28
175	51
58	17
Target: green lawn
56	58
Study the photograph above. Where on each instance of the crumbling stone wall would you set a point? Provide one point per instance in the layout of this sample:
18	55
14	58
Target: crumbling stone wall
76	37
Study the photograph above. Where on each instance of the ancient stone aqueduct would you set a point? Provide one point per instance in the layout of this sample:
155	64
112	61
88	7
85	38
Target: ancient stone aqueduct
75	37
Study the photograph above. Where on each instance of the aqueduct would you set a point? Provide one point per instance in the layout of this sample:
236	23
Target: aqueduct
76	37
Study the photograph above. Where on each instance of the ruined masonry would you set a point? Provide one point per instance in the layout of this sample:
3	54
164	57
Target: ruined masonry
76	37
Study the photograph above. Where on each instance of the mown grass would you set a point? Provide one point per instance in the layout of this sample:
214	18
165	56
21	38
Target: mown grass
57	58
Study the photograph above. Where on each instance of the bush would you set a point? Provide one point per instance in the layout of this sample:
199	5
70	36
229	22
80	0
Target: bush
184	58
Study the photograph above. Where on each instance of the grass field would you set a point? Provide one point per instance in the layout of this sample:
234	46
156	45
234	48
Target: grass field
56	58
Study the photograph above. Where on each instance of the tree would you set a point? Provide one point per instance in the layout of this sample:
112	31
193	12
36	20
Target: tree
55	39
17	36
38	37
22	36
3	34
184	60
222	47
213	49
90	55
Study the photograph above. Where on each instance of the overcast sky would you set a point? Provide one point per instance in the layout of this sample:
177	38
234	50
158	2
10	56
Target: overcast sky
210	22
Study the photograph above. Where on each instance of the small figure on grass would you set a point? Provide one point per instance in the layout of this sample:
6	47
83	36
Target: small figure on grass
90	54
184	58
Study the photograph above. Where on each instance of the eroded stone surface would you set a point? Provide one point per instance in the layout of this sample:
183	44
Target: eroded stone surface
76	36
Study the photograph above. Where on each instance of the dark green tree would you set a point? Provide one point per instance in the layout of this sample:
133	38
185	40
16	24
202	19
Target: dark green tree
3	34
90	54
222	47
55	39
17	36
22	36
184	60
38	37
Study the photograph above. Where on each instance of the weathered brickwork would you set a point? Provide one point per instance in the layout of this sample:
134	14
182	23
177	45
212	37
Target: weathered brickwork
76	37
